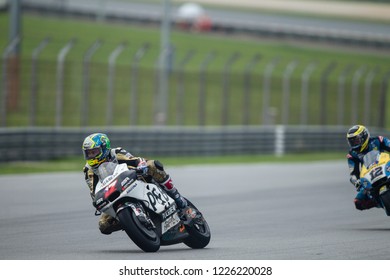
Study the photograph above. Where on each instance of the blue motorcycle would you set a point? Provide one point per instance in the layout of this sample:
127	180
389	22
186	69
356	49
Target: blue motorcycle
375	178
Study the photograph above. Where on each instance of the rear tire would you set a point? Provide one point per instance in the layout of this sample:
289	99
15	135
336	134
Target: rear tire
146	239
199	233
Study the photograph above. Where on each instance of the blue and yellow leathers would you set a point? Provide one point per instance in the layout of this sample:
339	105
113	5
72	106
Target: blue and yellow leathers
355	159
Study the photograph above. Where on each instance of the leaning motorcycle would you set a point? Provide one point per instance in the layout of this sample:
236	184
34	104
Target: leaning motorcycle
147	214
375	178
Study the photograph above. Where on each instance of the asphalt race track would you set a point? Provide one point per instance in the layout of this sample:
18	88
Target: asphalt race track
300	211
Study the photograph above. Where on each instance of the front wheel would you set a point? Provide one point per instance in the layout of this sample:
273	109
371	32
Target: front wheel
146	239
385	197
199	231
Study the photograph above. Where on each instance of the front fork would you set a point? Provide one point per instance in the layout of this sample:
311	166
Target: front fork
384	189
139	212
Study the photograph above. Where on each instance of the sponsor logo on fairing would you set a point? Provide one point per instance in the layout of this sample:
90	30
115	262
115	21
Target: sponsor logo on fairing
156	196
169	212
169	223
387	169
107	179
126	183
130	189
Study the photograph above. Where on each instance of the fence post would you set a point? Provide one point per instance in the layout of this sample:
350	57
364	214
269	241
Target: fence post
60	80
280	132
202	87
86	64
286	91
164	66
156	107
354	94
247	87
367	95
383	101
34	80
110	81
101	8
133	114
305	91
4	89
341	94
324	88
267	88
180	88
225	87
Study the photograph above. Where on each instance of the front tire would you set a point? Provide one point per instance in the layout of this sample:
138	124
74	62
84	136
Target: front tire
386	201
146	239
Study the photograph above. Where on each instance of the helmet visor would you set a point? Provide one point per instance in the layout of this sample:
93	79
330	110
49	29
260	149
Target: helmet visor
355	142
92	153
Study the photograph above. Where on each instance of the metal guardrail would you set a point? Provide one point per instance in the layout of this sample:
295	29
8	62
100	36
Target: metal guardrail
52	143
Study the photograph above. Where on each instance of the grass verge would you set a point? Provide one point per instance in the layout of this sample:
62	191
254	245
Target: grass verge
75	164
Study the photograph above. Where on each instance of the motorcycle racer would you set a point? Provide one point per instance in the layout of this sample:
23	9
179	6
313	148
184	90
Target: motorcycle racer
361	143
97	149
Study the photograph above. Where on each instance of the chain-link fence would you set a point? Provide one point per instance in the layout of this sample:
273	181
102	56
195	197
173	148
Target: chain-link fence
81	92
59	91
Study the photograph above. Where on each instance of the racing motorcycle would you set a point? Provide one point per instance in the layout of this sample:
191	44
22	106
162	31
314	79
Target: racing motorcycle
375	178
147	214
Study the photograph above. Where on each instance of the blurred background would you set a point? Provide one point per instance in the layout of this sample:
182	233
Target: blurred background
181	78
203	82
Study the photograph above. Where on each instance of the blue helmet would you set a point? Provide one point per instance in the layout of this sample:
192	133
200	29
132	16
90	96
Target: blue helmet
96	149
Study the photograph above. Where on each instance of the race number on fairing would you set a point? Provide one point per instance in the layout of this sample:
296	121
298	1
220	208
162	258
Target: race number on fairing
156	196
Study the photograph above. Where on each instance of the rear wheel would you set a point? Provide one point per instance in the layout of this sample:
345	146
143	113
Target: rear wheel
199	232
144	238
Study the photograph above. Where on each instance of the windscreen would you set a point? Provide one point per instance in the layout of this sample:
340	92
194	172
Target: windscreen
106	169
371	158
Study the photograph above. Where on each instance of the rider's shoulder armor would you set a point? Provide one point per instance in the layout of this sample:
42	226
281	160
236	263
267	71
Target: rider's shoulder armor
384	143
378	143
123	156
121	153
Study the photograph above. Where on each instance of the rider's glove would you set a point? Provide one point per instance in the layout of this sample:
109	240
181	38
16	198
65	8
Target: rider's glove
142	167
358	185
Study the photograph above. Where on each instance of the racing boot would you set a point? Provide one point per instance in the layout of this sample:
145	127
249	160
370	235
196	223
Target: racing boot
108	224
180	201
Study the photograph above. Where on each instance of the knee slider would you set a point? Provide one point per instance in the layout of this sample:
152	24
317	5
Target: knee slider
104	227
358	204
156	170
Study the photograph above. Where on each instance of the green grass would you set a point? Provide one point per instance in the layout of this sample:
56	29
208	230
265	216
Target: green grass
75	164
35	29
